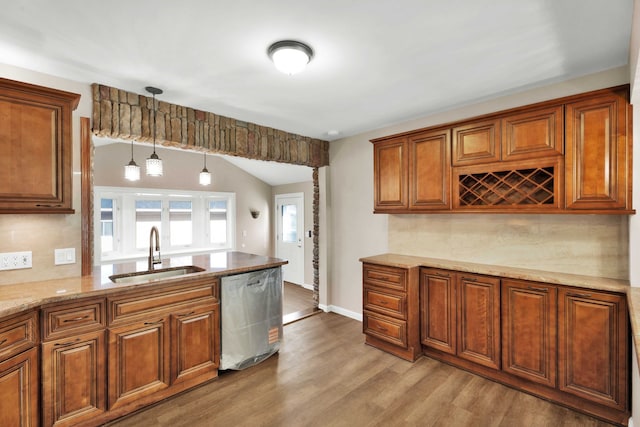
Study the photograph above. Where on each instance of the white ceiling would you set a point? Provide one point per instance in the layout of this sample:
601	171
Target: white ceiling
376	62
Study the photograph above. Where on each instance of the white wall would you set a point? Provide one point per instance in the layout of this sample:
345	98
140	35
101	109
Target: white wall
357	232
181	169
42	233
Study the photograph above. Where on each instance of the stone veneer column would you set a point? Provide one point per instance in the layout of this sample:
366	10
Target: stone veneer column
126	115
316	240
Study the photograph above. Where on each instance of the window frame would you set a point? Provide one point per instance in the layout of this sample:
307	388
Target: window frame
124	222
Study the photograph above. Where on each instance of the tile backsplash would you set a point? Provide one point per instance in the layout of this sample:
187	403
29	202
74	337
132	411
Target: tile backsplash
593	245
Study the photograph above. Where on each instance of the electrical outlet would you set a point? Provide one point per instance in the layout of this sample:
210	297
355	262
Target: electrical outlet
15	260
65	256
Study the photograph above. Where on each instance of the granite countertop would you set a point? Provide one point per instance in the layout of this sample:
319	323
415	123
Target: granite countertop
588	282
23	296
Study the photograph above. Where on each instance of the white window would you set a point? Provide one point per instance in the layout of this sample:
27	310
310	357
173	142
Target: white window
189	222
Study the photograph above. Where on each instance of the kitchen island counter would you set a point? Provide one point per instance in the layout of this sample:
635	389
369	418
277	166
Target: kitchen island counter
19	297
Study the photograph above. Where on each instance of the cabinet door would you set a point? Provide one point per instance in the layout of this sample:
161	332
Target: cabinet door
476	143
196	343
35	141
597	153
138	360
438	309
430	170
592	346
479	319
529	330
533	134
73	379
390	175
19	390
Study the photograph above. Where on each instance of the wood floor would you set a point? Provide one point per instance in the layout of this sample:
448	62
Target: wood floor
324	375
296	298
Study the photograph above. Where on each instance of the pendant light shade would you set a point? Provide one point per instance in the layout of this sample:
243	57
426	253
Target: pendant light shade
132	170
154	163
290	56
205	176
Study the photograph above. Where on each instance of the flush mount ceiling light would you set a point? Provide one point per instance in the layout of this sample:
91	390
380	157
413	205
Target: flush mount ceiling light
132	170
290	56
205	176
154	163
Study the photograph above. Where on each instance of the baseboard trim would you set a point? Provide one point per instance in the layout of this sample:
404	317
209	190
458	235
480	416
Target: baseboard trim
341	311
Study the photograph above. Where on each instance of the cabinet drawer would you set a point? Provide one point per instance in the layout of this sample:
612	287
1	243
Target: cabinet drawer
62	320
385	328
386	277
18	334
131	305
385	303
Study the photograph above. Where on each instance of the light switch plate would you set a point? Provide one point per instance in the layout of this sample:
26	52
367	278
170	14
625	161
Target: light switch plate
65	256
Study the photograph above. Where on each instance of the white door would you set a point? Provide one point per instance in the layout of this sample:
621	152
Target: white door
290	235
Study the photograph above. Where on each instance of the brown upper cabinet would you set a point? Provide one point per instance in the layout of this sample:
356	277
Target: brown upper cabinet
391	175
477	142
533	134
598	159
36	142
568	155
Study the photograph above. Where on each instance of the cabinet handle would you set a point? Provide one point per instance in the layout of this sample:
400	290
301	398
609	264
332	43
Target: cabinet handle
441	274
470	279
154	323
75	319
532	288
383	302
64	344
186	314
571	294
381	329
3	341
48	206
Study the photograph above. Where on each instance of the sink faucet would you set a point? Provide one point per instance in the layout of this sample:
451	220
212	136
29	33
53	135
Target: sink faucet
152	259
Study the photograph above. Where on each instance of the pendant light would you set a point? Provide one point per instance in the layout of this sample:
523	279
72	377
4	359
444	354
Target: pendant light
132	170
290	56
205	176
154	163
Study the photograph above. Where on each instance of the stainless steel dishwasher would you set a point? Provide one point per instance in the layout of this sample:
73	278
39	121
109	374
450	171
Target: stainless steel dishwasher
251	319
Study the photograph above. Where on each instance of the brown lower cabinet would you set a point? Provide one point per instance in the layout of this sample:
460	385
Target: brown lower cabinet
19	390
593	352
73	379
139	360
569	345
529	330
566	344
105	357
460	315
19	373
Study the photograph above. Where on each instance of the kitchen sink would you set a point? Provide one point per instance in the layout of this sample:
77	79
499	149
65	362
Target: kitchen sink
163	273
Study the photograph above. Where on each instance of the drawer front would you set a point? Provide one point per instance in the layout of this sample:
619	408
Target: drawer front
385	328
385	302
62	320
385	277
129	306
18	334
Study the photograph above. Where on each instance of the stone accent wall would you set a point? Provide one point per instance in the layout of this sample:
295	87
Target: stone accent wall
316	238
127	115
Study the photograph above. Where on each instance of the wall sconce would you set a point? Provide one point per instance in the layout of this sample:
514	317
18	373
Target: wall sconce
254	213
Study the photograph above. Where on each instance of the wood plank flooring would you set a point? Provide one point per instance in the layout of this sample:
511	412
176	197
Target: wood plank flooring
296	298
324	375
